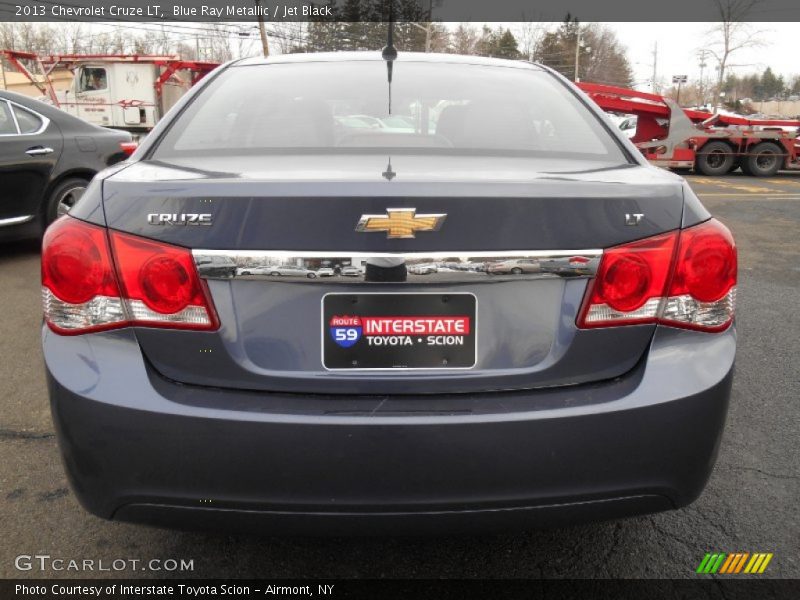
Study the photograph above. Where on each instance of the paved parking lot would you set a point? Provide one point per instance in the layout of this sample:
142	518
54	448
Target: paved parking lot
750	504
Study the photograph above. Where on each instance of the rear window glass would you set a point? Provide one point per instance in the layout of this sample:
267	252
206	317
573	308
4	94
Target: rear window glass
344	106
28	122
7	126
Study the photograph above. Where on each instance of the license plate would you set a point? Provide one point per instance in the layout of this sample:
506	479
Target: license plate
399	331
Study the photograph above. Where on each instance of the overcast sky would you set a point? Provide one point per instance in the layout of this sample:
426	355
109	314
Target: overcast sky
678	44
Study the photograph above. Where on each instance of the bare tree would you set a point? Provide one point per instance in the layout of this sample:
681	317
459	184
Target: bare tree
732	34
289	36
530	35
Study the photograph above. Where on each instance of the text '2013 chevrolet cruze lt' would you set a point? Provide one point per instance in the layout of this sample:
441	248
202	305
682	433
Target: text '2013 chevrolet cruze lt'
322	297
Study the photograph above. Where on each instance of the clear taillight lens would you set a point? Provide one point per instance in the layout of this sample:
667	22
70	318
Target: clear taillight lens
89	284
702	294
683	278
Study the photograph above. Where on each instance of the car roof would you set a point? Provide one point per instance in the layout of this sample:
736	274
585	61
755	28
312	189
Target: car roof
426	57
51	112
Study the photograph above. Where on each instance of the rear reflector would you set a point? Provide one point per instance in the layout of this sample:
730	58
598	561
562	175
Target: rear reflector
89	284
683	278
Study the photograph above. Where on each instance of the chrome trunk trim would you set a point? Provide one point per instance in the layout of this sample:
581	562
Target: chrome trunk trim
383	267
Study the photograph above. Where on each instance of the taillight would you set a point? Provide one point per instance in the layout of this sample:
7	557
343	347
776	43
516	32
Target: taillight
702	294
79	289
683	278
630	282
153	284
160	284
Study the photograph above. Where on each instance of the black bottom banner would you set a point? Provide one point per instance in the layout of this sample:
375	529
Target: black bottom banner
654	589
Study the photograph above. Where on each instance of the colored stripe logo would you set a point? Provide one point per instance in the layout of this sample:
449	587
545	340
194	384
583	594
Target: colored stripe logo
734	563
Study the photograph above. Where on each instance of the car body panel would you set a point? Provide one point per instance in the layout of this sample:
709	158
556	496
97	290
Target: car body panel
386	460
501	204
78	150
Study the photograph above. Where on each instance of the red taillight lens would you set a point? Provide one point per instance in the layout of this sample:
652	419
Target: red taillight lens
76	264
706	264
627	279
702	294
79	288
629	283
160	284
166	286
154	284
684	278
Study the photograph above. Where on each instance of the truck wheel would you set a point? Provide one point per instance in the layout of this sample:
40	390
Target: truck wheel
764	160
63	197
715	158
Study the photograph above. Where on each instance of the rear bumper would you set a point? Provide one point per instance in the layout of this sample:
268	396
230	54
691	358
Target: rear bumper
138	447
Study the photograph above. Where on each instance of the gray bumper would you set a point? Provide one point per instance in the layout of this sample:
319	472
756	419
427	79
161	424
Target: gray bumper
141	448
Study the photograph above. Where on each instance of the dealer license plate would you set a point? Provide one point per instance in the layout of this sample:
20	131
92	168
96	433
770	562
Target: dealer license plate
399	331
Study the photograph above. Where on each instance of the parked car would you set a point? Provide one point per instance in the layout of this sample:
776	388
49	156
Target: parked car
47	159
514	267
448	402
289	271
351	271
223	267
423	269
325	272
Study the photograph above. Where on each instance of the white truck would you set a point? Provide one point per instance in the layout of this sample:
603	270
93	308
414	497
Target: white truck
127	91
121	91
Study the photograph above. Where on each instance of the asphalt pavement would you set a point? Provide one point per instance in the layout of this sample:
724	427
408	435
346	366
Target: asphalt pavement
750	504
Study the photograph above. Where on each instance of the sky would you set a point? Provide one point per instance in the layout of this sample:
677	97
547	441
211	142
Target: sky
678	44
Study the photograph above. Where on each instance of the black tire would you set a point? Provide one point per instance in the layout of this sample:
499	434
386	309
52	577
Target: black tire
715	158
63	197
275	274
312	275
516	271
763	160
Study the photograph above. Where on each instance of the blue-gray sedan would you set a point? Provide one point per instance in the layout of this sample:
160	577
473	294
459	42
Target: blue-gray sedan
523	322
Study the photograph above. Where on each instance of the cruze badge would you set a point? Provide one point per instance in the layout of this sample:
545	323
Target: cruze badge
179	219
400	222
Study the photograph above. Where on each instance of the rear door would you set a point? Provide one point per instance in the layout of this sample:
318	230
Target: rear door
30	146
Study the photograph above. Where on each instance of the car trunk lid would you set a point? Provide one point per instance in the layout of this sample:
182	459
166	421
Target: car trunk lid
303	211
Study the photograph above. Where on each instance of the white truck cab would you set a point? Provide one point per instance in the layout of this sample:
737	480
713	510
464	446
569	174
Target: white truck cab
121	95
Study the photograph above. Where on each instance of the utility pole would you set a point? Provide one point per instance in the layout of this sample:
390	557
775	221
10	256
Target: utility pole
262	30
577	53
703	65
655	66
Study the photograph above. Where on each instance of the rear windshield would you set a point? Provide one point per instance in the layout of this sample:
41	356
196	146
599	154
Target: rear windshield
334	107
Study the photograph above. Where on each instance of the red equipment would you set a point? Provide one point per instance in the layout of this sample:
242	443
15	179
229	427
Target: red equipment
713	144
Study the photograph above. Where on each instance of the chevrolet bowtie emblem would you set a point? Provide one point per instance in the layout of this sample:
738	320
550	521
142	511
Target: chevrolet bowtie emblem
400	222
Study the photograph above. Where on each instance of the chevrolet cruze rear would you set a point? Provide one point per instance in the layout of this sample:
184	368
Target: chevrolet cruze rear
496	316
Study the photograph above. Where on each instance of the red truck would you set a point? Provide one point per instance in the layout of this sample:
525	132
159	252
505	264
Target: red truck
711	144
